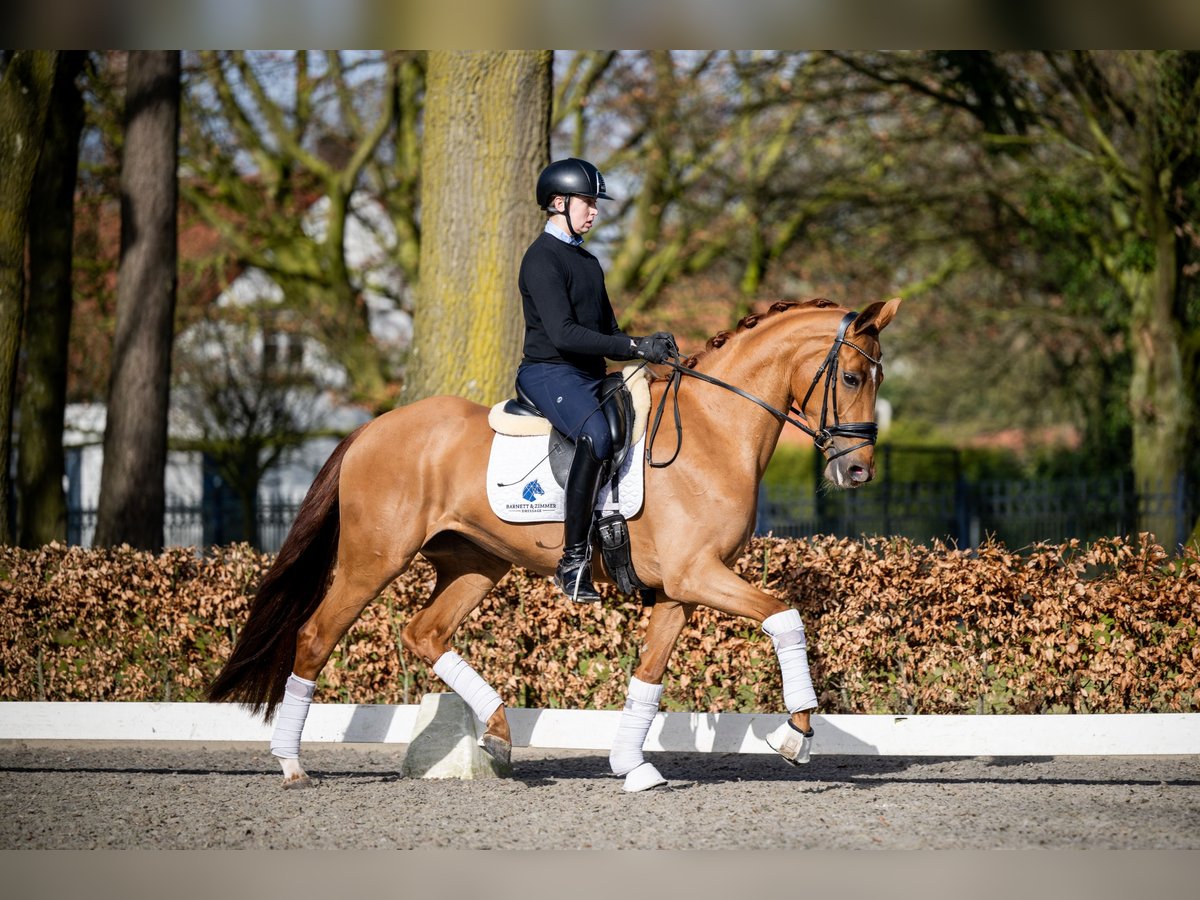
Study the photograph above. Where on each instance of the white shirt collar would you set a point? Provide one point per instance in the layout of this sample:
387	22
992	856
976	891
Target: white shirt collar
557	232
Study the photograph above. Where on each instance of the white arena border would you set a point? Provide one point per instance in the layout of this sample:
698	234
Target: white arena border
1134	734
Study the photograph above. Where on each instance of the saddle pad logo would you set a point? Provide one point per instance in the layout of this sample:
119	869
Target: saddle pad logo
532	491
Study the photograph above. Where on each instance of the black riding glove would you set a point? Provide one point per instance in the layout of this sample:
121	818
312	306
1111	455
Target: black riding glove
672	347
656	348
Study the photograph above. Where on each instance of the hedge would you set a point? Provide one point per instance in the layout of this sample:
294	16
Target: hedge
893	627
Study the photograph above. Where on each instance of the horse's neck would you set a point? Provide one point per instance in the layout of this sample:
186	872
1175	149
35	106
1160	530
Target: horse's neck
740	434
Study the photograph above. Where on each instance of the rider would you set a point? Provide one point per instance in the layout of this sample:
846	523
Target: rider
570	329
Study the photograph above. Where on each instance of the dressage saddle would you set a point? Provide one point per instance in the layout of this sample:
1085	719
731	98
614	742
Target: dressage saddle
611	530
618	413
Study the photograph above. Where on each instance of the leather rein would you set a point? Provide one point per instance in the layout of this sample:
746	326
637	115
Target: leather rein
822	437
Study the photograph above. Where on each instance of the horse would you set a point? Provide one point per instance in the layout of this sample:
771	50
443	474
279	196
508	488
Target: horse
412	481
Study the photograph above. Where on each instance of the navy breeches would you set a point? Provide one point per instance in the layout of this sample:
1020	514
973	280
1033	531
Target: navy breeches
570	399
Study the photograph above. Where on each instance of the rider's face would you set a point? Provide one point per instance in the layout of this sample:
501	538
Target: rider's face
583	211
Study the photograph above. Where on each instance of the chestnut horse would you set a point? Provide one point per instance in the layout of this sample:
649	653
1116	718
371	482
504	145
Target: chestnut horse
412	481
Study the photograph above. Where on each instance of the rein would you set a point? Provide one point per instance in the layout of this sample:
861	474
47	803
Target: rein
822	436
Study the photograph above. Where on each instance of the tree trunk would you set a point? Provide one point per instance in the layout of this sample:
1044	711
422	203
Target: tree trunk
26	83
1159	398
487	120
132	488
41	501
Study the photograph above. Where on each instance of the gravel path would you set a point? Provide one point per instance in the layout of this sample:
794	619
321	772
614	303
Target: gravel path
63	795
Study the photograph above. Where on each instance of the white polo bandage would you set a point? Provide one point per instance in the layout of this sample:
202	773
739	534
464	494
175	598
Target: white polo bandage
787	634
641	705
467	683
290	716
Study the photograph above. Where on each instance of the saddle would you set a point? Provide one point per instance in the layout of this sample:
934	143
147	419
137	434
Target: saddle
626	408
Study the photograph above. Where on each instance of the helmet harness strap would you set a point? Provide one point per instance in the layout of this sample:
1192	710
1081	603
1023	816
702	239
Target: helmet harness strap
567	214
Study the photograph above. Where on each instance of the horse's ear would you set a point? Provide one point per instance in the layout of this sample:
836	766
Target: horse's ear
876	316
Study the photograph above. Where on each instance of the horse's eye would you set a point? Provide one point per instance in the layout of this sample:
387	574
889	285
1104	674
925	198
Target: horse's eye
850	379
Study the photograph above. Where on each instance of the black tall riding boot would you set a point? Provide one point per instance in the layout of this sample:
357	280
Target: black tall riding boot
574	574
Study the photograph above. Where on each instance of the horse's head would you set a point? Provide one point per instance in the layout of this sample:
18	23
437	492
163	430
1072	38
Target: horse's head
836	389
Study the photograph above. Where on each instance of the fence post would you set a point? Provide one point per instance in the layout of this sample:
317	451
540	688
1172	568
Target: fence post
1181	516
819	500
962	506
887	488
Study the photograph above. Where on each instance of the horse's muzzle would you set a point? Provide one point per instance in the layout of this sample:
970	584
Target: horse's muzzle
847	472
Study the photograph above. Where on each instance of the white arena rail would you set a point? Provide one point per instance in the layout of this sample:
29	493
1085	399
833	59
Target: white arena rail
1136	734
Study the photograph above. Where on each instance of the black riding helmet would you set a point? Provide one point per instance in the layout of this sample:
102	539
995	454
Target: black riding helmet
570	176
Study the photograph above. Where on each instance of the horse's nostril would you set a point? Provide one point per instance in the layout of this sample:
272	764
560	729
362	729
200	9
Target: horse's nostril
860	473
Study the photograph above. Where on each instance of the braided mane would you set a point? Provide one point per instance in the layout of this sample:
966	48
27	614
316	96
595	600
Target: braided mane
718	340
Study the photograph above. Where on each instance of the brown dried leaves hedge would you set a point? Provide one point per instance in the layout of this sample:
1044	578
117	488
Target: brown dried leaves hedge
892	627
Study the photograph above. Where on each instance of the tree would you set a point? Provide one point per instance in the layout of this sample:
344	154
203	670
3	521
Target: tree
268	135
41	502
487	119
721	159
132	490
26	84
1107	145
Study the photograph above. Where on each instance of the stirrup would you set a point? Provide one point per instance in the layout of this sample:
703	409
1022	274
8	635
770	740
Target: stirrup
578	589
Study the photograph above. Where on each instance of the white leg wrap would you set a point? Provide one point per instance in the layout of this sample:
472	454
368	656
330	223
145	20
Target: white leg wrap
787	634
467	683
641	705
290	716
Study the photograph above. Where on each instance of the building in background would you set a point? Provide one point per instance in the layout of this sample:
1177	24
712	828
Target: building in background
201	509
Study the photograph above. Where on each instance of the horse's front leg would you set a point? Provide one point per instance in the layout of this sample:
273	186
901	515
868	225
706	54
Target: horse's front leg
712	584
645	692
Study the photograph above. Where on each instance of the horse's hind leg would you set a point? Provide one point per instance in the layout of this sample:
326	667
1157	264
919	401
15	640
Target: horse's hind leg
465	575
358	581
667	620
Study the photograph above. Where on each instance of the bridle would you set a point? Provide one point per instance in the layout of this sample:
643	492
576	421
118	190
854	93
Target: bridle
822	437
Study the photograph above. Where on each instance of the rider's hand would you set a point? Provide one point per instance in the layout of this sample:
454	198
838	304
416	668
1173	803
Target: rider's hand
672	347
655	348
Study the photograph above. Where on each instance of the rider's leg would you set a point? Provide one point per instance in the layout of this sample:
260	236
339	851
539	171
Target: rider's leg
570	399
588	471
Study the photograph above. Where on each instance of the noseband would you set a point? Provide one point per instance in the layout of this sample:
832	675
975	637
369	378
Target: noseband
822	437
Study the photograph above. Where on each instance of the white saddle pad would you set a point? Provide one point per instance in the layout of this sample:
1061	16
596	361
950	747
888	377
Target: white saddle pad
521	487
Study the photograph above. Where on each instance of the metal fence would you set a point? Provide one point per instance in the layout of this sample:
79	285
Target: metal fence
1015	512
203	525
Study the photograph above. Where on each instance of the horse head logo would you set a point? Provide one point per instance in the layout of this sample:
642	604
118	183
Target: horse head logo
532	491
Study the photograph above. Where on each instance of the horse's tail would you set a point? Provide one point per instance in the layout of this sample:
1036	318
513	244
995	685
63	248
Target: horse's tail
287	596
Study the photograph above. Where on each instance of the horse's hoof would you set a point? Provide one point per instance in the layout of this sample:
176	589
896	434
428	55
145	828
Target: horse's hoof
794	745
643	778
299	782
497	748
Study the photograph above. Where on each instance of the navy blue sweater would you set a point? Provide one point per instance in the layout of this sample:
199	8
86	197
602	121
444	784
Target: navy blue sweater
568	316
